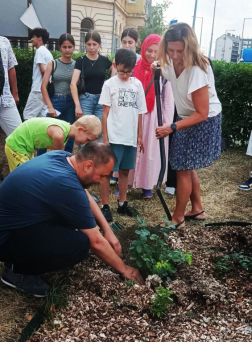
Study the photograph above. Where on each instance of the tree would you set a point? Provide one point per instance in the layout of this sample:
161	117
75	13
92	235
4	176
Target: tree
156	22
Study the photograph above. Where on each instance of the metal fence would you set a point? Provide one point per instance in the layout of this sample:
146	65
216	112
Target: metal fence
25	43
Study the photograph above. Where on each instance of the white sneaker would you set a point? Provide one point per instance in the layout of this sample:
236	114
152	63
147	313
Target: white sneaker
169	190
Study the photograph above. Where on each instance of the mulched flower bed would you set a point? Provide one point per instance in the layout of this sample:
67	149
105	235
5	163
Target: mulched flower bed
207	305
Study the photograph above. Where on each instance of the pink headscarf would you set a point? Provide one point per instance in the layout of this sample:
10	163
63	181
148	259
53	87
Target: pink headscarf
143	73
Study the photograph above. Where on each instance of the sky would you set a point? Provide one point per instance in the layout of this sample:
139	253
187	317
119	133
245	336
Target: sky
229	16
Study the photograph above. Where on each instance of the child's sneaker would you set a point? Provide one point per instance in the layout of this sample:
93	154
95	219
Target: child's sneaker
125	209
113	180
247	185
147	193
106	212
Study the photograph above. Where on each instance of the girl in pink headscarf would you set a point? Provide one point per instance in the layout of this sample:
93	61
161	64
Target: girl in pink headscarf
148	164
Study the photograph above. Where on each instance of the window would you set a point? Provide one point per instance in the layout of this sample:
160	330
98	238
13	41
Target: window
132	1
86	26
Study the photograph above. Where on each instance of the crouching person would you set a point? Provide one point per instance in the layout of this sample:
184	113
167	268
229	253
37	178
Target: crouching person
48	133
48	221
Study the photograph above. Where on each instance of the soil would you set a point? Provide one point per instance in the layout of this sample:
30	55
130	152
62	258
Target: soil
206	305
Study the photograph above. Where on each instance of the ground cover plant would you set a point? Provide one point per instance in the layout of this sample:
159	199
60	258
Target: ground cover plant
206	305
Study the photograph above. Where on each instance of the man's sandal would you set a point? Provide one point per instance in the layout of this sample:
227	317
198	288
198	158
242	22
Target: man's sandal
194	217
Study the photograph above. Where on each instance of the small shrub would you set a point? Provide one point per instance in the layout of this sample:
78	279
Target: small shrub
161	301
152	255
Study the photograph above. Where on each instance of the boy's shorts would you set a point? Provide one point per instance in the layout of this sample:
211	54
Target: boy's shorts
125	155
14	158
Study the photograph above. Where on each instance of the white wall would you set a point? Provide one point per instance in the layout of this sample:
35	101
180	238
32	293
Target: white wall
223	49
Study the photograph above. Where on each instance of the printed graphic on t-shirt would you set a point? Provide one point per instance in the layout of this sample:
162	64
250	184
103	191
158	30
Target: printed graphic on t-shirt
127	98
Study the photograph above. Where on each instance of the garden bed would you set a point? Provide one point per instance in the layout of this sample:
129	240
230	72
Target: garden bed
207	305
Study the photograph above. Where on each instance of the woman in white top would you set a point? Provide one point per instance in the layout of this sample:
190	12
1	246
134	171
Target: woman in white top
197	132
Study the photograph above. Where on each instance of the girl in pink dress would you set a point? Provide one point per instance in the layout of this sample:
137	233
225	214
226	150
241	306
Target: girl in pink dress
148	164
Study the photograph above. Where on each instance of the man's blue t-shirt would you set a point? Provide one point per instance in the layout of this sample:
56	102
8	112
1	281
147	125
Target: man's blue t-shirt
45	188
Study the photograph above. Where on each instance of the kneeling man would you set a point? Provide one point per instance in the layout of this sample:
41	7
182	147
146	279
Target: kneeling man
49	222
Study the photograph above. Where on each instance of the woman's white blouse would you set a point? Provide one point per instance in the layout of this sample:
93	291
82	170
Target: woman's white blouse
190	80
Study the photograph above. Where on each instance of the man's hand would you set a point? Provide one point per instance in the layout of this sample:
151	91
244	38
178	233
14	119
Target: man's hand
133	273
140	144
113	241
78	112
163	131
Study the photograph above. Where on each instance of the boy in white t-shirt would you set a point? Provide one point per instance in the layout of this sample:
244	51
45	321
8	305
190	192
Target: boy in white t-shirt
35	105
123	101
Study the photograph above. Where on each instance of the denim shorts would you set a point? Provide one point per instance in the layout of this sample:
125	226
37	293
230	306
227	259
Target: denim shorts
125	155
90	106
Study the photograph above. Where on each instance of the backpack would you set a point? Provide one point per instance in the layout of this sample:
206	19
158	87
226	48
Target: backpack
2	77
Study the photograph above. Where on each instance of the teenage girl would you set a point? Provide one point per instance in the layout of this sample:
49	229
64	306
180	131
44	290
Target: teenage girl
95	67
62	100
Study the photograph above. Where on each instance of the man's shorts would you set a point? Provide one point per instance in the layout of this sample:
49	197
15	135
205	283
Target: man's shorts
125	155
35	107
14	158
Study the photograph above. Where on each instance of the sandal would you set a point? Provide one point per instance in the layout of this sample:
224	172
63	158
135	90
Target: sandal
194	217
177	225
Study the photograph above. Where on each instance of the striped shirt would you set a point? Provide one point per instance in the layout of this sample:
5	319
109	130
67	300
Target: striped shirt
62	77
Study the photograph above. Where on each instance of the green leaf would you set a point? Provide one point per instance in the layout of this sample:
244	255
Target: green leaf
188	257
139	249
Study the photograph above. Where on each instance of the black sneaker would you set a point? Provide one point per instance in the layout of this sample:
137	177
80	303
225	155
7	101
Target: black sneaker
247	185
125	209
107	213
26	283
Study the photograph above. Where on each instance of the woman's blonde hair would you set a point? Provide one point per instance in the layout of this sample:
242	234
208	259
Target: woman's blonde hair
192	55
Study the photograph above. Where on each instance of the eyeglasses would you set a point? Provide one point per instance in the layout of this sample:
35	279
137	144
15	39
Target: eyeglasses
125	72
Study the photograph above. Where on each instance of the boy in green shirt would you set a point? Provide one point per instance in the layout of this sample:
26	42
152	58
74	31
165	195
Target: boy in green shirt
48	133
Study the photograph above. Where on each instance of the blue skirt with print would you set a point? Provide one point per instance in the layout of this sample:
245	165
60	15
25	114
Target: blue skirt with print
196	147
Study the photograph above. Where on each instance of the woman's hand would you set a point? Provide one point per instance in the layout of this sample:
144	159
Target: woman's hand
78	112
155	65
140	144
163	131
51	112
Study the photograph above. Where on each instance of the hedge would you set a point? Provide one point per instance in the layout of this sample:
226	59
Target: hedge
233	85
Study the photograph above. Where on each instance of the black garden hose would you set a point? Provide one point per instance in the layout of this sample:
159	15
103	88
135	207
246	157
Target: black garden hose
161	144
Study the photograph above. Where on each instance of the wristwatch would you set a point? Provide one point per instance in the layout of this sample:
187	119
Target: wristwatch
174	127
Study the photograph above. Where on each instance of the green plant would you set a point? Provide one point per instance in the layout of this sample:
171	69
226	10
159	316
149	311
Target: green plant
223	264
129	283
156	22
191	314
151	253
226	263
162	300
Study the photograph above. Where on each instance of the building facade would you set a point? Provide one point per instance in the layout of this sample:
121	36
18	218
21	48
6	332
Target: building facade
108	17
227	48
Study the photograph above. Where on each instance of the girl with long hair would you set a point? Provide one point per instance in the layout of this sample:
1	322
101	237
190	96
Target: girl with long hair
197	133
95	67
148	164
62	100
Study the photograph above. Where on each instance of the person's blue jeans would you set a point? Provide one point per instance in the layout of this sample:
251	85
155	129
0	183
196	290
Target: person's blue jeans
90	106
65	105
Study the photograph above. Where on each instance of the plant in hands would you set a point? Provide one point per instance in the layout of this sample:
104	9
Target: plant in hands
162	300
